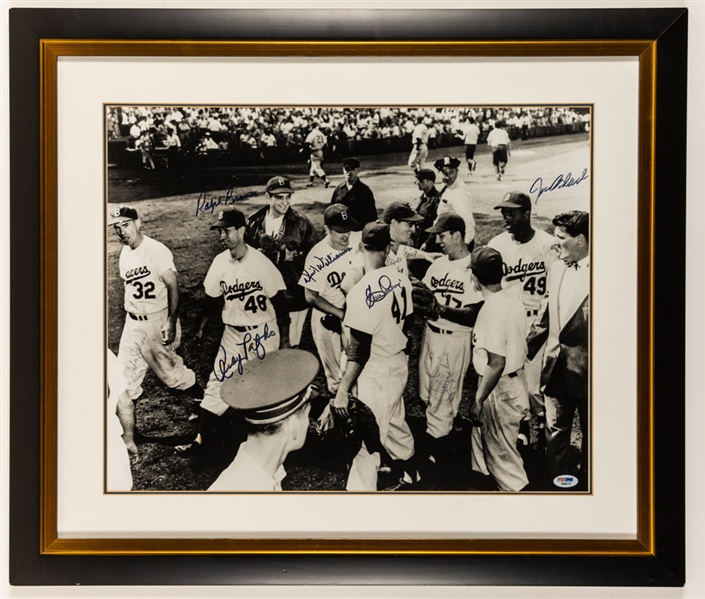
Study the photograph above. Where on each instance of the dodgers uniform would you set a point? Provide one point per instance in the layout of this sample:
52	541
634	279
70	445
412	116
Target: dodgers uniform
457	198
526	272
324	271
501	329
147	307
377	305
251	328
316	141
419	151
445	350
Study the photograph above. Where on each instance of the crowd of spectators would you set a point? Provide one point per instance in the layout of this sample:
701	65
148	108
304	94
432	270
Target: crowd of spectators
269	135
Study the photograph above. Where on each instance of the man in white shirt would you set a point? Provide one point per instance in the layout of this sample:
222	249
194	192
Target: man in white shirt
498	140
315	141
456	197
469	133
419	148
499	353
273	397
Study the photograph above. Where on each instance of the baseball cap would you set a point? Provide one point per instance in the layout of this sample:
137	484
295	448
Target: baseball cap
229	218
401	211
514	199
350	163
448	221
487	262
279	185
338	218
426	173
375	235
270	389
121	214
446	162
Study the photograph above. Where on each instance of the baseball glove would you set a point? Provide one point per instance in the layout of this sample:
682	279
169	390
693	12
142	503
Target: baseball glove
425	303
332	323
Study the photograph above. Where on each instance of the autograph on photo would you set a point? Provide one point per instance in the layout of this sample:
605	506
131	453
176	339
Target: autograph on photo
206	205
559	182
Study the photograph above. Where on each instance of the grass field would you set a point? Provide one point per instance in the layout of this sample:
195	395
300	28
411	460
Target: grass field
166	201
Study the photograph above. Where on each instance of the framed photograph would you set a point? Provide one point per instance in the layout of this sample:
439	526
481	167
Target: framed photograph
272	172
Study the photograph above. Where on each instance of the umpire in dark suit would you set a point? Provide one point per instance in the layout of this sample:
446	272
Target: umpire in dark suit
563	323
355	195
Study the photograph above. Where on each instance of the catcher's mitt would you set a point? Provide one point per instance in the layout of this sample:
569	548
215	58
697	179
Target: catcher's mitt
332	323
425	303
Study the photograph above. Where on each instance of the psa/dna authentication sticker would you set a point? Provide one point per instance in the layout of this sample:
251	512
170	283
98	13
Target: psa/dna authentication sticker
565	481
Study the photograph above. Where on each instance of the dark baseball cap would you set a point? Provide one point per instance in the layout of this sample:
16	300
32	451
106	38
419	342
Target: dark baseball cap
486	262
515	199
446	162
375	236
448	221
271	388
279	185
351	163
229	218
121	214
338	218
426	173
401	211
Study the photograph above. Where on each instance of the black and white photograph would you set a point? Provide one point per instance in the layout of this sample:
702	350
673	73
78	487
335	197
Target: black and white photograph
348	298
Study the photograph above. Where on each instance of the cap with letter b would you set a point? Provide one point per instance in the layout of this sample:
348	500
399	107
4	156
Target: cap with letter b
279	185
337	217
271	388
229	218
121	214
515	199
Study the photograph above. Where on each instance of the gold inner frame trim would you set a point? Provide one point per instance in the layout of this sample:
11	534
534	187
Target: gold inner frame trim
643	545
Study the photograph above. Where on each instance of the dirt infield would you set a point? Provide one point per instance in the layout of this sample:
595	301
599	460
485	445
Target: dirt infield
168	202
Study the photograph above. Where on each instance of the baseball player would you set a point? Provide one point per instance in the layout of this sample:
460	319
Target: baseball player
314	142
249	292
419	148
273	396
469	134
376	312
455	196
324	270
499	354
498	140
152	331
285	236
527	254
445	349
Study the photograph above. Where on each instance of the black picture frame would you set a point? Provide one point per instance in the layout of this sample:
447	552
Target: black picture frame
664	562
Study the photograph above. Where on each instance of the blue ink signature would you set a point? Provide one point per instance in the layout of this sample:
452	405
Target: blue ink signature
442	380
385	288
558	183
206	205
135	365
250	345
309	274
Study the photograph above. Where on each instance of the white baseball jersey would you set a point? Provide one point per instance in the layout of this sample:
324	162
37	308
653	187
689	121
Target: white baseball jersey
325	269
451	283
246	285
457	198
500	329
316	139
142	270
526	265
396	259
420	133
378	305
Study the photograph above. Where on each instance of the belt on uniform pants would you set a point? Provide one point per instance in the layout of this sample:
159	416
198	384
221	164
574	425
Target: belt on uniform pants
532	312
435	329
138	316
243	329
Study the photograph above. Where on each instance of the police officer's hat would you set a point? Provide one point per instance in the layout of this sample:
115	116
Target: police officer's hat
446	162
271	388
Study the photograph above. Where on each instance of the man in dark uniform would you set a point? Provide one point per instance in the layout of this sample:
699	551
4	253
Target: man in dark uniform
285	236
355	194
427	207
